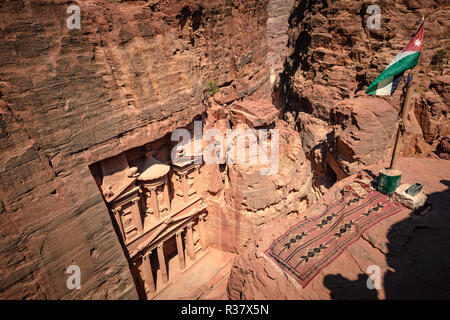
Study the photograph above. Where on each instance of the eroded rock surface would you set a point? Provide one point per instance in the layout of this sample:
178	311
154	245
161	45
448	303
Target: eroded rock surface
74	103
277	34
133	73
333	57
246	195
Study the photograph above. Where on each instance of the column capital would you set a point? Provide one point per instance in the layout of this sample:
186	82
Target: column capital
202	216
179	233
190	224
160	245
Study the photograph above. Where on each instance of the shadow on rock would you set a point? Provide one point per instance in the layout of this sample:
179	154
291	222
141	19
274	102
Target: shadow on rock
344	289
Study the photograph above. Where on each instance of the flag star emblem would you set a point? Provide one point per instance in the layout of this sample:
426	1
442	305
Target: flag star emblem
417	43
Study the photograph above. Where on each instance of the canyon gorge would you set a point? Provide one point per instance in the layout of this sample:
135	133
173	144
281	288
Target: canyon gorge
91	175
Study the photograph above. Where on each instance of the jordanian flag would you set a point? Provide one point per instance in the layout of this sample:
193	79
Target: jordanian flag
389	79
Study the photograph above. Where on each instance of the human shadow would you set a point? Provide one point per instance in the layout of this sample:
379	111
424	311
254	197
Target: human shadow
344	289
418	258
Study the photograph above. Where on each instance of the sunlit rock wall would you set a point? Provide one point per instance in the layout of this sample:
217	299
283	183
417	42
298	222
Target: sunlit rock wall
133	72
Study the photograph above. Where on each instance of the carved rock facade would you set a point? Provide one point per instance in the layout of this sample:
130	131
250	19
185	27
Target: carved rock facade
69	99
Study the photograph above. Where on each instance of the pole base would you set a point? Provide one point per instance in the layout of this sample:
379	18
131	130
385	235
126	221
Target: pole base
389	180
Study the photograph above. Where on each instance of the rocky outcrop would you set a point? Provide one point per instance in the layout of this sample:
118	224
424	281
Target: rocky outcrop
333	56
255	191
132	73
409	248
365	131
277	27
443	149
78	106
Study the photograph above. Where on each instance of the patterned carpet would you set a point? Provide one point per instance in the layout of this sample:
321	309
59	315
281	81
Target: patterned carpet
312	244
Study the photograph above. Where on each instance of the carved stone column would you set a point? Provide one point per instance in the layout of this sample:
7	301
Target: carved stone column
166	196
184	186
148	273
162	262
116	212
180	250
137	215
201	225
154	202
196	178
190	242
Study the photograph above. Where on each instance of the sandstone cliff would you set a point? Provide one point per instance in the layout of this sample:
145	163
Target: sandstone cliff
242	199
137	70
134	72
333	56
277	27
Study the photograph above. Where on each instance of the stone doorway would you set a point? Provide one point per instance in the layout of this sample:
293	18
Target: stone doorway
172	261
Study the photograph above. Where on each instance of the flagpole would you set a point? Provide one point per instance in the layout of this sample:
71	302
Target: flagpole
401	126
389	178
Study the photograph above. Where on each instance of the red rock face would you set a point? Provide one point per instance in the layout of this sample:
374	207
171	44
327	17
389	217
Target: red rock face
277	27
133	73
242	200
74	102
333	56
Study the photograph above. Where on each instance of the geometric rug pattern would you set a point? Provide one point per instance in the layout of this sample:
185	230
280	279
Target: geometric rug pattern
312	244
